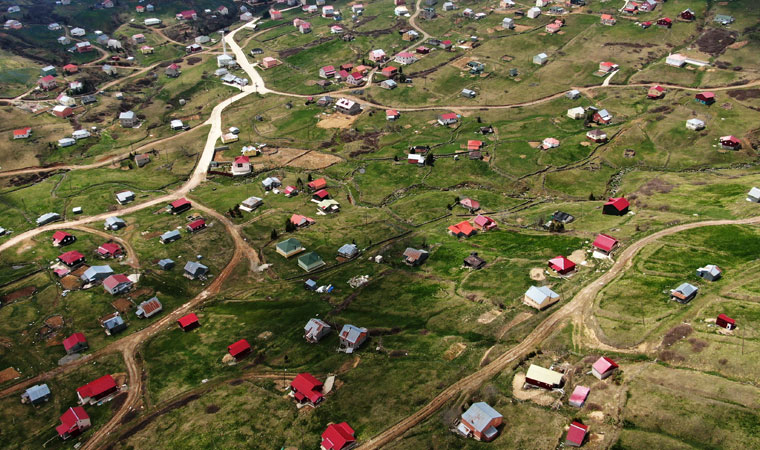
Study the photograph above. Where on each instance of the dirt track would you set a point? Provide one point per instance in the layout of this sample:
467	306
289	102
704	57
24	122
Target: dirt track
582	302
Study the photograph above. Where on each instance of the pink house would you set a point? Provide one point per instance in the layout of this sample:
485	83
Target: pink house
269	62
327	72
377	55
304	27
274	14
406	58
47	82
355	79
189	14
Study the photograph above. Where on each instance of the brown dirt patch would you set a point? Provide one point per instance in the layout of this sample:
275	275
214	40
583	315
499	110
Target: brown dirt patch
715	40
534	144
670	356
537	274
744	94
676	333
8	374
656	185
697	345
54	322
152	235
520	28
578	257
337	121
454	350
461	63
517	320
21	293
122	305
738	45
489	316
538	396
294	157
212	409
70	282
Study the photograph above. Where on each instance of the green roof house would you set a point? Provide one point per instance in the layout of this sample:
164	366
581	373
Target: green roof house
289	247
310	261
48	70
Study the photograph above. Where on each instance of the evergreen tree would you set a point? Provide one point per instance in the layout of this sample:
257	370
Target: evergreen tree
274	234
591	196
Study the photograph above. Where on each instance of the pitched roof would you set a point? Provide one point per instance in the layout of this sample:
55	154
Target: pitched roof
150	306
541	294
319	183
577	433
543	375
60	235
449	116
351	333
186	320
177	203
619	203
69	420
115	280
605	242
71	257
463	227
195	224
239	347
470	203
726	318
307	387
336	436
604	364
322	193
579	395
480	415
74	339
97	387
289	245
560	263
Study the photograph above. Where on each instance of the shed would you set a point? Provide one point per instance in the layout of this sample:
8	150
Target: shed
166	264
114	223
684	293
579	396
188	322
576	435
194	269
605	244
315	330
474	261
115	324
561	265
616	206
603	367
540	59
39	393
753	195
543	378
75	343
239	349
710	272
414	257
725	322
695	124
169	236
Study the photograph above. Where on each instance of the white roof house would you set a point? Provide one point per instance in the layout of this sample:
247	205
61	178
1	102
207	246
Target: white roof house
695	124
540	59
576	113
80	134
152	21
540	297
675	60
753	195
77	31
544	376
533	12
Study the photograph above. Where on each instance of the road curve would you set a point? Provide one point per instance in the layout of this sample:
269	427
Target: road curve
582	299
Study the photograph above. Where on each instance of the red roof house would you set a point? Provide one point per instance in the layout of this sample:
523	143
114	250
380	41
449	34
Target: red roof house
22	133
561	265
472	205
47	82
389	71
239	349
579	396
188	322
301	221
616	206
196	225
706	98
71	258
605	243
97	390
321	194
576	434
665	22
177	206
603	367
338	436
317	184
725	322
392	114
75	343
485	223
306	389
110	250
190	14
73	422
290	191
62	238
730	142
462	229
656	91
474	145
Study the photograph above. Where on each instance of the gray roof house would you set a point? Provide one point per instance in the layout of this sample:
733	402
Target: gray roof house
170	236
125	197
96	273
573	94
117	284
270	183
114	325
114	223
315	330
36	394
195	270
540	297
710	272
128	119
684	293
540	59
47	218
695	124
480	421
348	251
166	264
351	338
148	308
753	195
251	203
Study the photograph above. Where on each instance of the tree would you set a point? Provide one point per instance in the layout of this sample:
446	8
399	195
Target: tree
430	159
274	234
479	120
591	196
456	200
395	158
289	227
310	178
299	183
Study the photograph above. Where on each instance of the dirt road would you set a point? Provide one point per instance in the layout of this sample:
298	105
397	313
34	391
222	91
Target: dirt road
582	302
